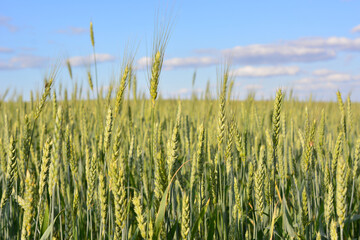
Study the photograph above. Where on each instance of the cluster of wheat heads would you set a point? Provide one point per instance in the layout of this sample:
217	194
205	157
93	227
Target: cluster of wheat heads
204	168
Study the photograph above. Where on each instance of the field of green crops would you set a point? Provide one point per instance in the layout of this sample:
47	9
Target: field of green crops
118	165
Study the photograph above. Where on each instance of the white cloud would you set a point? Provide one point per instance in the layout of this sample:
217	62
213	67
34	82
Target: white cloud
143	62
316	86
191	62
175	63
339	77
23	61
311	49
330	78
184	93
6	50
32	61
253	87
276	53
322	72
250	71
73	31
88	60
324	79
6	22
334	43
356	29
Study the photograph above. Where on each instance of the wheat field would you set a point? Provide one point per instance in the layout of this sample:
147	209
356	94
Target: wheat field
113	166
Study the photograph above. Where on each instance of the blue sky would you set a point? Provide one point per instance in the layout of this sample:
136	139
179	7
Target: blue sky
311	47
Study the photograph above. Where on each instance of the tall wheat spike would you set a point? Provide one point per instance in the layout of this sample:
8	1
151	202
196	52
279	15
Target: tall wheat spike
222	101
342	110
29	206
185	217
11	172
259	185
200	158
122	88
157	59
276	119
108	129
68	64
329	204
139	215
103	202
92	175
337	152
333	230
341	192
161	175
118	189
45	164
174	150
